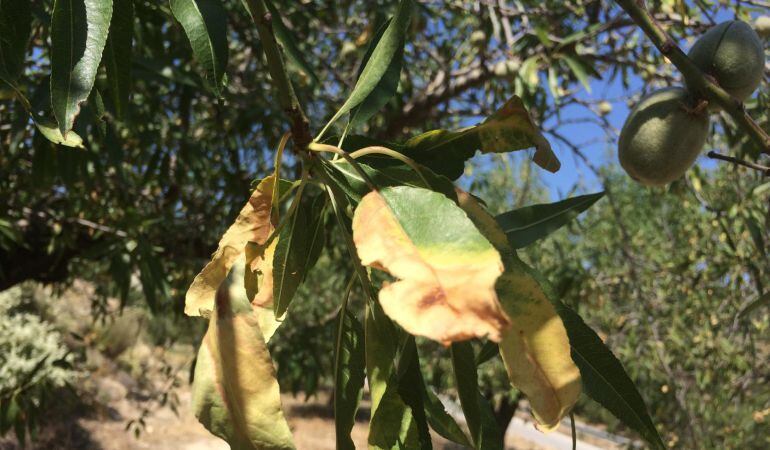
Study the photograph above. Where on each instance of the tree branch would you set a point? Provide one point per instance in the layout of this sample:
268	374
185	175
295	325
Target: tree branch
416	110
704	85
764	169
300	129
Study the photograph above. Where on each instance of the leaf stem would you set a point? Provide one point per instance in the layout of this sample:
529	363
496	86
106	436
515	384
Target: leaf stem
695	78
277	171
326	148
363	276
379	150
286	96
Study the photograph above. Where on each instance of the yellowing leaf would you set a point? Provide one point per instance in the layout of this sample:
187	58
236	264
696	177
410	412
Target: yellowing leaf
235	392
535	349
50	130
446	269
253	224
234	285
512	127
259	273
509	129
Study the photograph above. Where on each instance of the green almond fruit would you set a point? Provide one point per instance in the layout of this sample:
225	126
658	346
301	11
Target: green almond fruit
732	53
662	137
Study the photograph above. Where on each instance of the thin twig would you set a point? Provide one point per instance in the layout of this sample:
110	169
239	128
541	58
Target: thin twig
764	169
702	84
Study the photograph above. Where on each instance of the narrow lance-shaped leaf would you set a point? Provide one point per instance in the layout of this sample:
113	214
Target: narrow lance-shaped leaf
385	89
580	69
526	225
253	224
426	407
205	23
440	420
78	33
235	393
349	375
299	246
118	57
536	348
604	378
446	269
286	38
763	300
478	414
411	387
391	424
15	28
387	48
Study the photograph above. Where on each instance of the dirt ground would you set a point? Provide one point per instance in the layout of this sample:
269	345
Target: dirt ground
311	422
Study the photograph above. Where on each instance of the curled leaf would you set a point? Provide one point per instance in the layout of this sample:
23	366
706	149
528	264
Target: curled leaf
258	275
512	128
235	392
253	224
536	348
444	152
446	269
235	287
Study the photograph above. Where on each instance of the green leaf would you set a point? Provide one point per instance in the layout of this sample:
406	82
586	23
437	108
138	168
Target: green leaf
756	233
440	421
411	388
286	39
478	413
235	394
117	55
604	379
391	424
579	69
386	50
489	350
15	26
384	90
205	23
299	245
763	300
51	132
526	225
78	34
384	175
553	84
349	375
